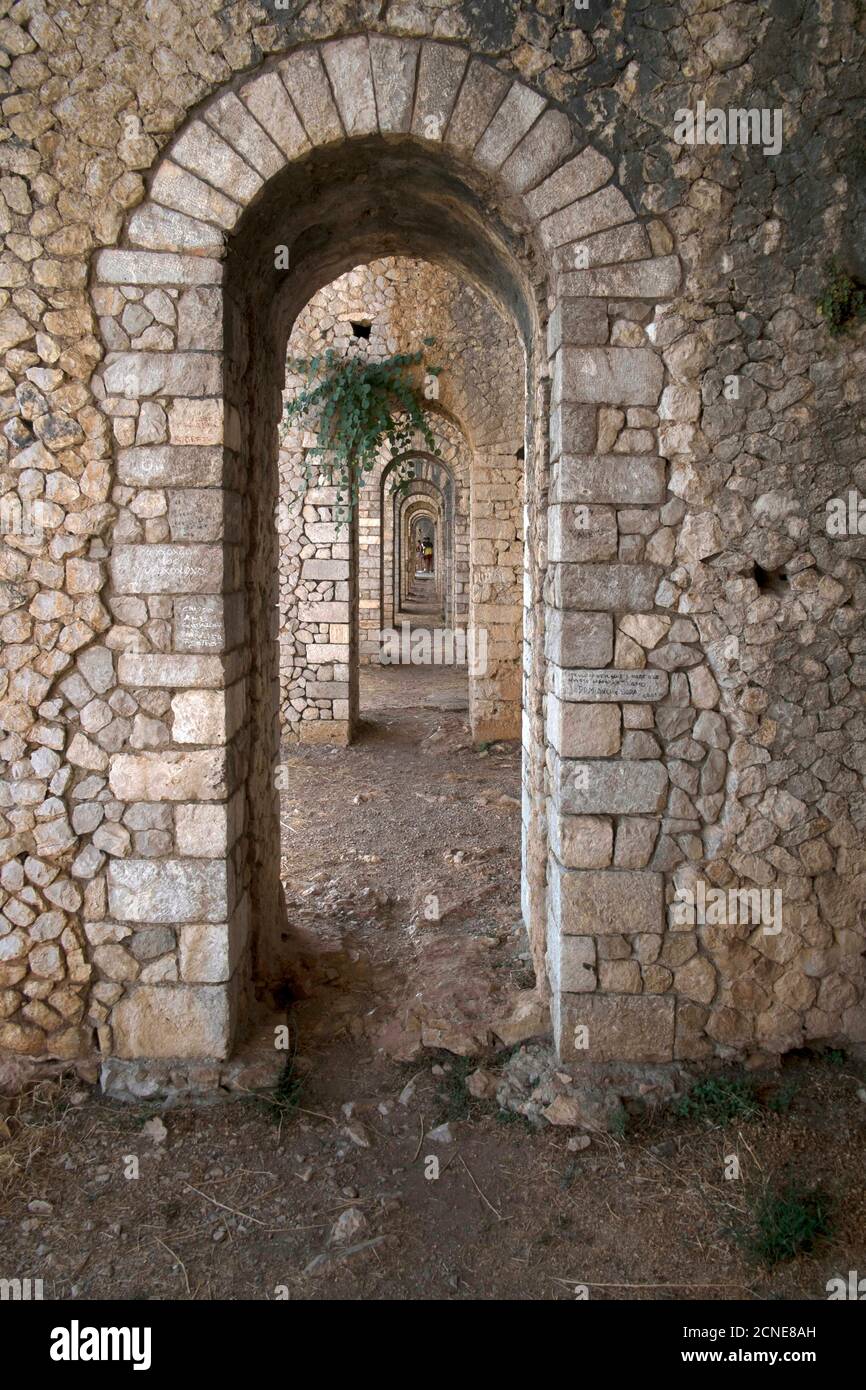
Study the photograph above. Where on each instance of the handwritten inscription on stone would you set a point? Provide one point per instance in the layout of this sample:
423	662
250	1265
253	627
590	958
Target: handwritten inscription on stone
612	686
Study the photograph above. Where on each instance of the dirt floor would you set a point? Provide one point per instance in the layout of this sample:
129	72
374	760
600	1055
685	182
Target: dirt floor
401	861
338	1190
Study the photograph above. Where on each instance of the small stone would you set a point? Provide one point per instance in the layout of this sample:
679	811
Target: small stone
481	1084
441	1134
349	1225
155	1130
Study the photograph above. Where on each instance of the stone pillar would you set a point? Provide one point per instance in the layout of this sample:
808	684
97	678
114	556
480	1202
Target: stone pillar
370	617
326	639
185	909
496	592
607	783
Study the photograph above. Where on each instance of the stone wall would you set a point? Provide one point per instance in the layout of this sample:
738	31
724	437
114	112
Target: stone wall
695	413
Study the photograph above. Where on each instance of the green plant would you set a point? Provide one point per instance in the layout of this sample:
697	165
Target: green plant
719	1099
286	1095
357	407
456	1099
786	1223
782	1099
842	301
619	1124
512	1117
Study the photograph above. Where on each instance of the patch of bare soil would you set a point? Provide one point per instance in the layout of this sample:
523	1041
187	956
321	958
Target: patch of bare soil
236	1202
401	866
345	1185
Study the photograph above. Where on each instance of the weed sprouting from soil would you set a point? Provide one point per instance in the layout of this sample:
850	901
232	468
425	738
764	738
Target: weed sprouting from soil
787	1222
719	1100
285	1098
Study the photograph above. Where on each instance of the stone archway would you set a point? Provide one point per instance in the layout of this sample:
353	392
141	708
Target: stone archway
449	474
331	152
422	519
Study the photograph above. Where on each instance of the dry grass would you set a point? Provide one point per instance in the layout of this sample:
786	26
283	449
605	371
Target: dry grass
31	1128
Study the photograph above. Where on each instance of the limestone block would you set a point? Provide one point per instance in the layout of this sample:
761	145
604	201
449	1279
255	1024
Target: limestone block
480	97
200	319
229	116
654	279
393	63
170	465
323	612
572	428
348	65
137	374
548	142
325	569
578	639
519	110
598	902
164	229
622	1027
322	653
203	831
173	1021
310	91
208	716
169	776
577	322
210	954
197	422
577	532
572	962
168	569
201	150
168	890
209	622
576	179
204	514
606	208
96	664
580	842
626	588
611	788
156	268
608	376
583	731
177	188
266	97
170	670
635	841
440	70
635	479
323	532
628	242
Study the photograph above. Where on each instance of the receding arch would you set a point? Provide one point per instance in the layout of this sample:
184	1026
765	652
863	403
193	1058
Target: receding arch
451	474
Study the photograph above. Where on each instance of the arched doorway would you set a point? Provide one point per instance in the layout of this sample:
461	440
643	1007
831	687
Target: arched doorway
333	154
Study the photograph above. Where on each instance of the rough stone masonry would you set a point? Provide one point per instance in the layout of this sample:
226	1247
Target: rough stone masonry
694	661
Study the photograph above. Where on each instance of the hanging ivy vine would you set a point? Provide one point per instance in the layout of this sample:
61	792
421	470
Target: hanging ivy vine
357	407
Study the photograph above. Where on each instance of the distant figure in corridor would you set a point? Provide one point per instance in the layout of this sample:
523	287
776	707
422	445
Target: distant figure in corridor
427	549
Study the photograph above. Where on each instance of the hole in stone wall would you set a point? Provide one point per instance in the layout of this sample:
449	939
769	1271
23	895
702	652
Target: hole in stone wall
360	330
770	581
